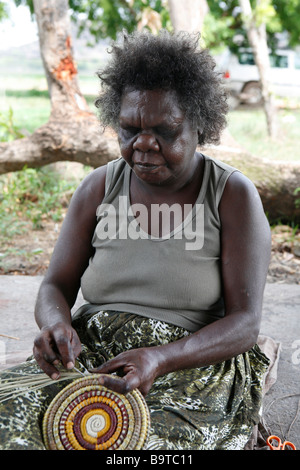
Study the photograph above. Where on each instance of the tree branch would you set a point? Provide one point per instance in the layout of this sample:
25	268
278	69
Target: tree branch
77	140
73	132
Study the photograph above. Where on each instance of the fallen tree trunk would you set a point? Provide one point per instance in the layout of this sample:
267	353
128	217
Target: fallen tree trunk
276	181
81	141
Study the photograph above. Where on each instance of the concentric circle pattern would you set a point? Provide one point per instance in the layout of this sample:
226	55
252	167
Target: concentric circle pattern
85	415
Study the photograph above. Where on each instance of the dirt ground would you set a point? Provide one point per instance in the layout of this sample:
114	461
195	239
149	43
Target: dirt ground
30	253
285	260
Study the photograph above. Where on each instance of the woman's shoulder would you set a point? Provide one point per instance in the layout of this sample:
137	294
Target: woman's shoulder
218	165
238	184
91	190
240	199
96	184
234	178
216	177
235	193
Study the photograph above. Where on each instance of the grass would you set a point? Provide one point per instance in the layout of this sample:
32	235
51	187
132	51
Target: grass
248	127
29	196
29	112
31	108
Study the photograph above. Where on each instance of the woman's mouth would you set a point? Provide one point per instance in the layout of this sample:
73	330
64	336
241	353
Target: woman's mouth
146	166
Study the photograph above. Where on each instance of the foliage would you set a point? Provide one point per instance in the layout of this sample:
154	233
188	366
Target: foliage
264	12
3	11
105	18
297	202
218	31
278	15
8	130
32	195
289	13
29	3
223	24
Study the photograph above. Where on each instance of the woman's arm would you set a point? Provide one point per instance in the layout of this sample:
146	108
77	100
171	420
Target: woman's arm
57	340
245	258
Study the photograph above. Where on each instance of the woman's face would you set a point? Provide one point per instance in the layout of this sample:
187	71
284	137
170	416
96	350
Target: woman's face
156	139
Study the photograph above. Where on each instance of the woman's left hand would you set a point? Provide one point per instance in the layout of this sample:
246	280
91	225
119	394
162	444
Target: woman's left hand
137	368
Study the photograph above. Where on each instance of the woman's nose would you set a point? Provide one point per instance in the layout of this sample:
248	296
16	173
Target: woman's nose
146	143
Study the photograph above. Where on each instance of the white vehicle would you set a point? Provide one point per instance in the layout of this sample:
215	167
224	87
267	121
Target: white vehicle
242	79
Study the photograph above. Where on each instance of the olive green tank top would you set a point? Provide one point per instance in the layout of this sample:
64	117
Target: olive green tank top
175	278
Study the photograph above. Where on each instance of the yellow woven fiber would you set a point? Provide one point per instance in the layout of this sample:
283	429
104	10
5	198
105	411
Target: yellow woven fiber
64	429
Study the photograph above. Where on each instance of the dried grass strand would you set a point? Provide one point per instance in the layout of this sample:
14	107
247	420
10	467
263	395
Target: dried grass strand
13	387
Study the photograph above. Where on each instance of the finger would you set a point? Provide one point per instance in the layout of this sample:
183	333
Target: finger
132	380
129	381
106	368
64	349
48	367
76	345
117	384
44	350
113	365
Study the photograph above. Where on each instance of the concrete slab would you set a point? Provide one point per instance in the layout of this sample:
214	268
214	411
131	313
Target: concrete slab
17	324
281	321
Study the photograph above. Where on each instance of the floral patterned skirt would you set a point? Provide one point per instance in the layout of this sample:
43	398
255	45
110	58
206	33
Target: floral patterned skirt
206	408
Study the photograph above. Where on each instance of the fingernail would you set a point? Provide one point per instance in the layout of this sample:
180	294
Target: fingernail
54	376
70	365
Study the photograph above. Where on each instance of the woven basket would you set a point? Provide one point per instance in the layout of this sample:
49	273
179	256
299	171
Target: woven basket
85	415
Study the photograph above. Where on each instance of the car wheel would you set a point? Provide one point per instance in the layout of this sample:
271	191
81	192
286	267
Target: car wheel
251	94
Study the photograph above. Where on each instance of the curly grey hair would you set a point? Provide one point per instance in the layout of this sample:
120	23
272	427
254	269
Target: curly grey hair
168	61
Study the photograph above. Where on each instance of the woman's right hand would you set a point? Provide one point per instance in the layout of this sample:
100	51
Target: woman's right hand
58	343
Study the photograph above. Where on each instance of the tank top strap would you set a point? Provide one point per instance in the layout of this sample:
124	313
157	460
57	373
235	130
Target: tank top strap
219	172
113	170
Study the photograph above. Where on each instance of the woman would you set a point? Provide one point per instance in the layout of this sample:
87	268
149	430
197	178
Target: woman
173	303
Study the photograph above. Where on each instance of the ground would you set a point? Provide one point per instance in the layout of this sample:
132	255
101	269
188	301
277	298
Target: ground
285	259
30	253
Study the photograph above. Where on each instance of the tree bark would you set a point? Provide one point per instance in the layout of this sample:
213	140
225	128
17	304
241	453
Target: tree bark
69	140
187	15
57	55
257	38
73	131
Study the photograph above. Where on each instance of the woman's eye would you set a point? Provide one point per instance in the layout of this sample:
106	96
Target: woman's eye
166	133
129	131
